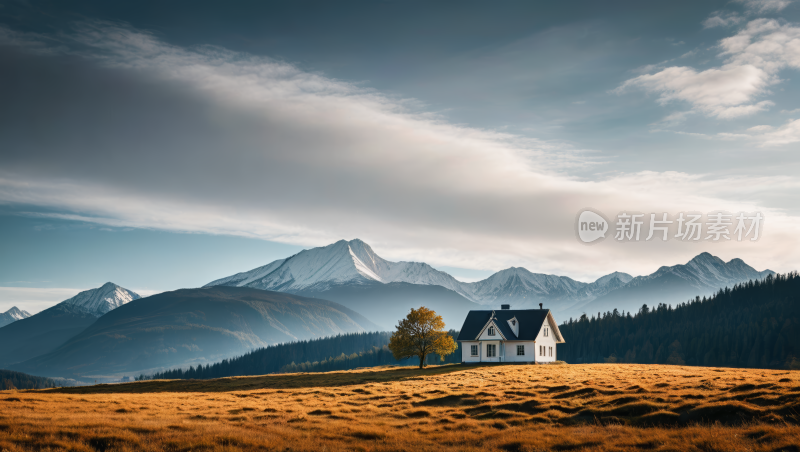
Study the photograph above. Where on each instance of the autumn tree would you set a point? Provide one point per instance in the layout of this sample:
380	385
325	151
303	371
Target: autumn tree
421	334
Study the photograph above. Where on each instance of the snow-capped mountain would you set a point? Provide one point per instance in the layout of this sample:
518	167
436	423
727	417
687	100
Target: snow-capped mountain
517	284
705	271
354	263
701	276
50	328
12	315
101	300
341	263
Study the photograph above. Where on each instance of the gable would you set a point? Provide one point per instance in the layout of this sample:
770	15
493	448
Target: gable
498	334
513	323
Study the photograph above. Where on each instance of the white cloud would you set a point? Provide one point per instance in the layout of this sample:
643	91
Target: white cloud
765	6
207	140
788	133
722	19
754	56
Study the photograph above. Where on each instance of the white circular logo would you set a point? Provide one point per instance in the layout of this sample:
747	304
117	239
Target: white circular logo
591	226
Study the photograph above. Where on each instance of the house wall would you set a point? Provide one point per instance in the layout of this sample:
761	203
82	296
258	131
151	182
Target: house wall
466	352
511	351
546	341
499	349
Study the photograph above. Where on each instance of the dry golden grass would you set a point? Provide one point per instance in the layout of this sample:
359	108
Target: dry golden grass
469	408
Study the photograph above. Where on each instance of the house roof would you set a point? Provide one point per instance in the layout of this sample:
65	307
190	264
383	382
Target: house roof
530	322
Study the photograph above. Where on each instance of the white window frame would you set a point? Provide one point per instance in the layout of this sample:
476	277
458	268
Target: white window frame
491	350
473	350
520	348
545	332
551	352
491	331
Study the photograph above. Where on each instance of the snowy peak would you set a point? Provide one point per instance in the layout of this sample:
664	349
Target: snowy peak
338	263
603	281
12	315
102	300
706	271
519	284
17	314
355	263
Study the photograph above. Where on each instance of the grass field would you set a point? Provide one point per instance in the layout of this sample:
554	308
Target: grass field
486	408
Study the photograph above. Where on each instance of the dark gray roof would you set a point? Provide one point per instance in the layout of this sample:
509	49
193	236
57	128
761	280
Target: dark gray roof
530	322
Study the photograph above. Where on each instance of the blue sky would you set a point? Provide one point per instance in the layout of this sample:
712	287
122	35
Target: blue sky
162	146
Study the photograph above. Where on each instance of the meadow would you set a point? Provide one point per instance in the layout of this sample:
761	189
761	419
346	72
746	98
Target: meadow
593	407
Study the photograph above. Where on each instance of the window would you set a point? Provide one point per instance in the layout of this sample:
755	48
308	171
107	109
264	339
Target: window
513	323
491	350
551	352
473	350
491	331
545	332
520	350
540	350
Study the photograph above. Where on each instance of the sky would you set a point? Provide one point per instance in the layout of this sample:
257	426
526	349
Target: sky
161	146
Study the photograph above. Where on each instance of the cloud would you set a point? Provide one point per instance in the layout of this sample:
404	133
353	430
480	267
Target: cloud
722	19
765	6
788	133
754	56
674	118
125	130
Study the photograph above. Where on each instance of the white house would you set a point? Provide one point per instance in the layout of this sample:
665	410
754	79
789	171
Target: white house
506	335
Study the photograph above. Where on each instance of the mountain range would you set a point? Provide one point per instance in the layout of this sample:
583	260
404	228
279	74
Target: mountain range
348	269
46	330
191	326
12	315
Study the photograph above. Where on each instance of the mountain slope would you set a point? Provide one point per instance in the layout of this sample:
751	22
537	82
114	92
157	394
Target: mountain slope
46	330
192	326
387	303
701	276
12	315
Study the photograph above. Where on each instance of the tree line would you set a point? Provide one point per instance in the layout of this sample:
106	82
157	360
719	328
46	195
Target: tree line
753	324
18	380
341	352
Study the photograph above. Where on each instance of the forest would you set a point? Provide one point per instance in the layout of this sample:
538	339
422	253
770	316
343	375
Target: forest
18	380
754	324
341	352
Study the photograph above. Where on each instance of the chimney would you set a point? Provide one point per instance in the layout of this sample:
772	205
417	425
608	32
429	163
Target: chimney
505	306
540	306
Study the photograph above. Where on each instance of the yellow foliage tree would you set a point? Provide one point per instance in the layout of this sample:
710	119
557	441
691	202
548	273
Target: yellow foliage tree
421	334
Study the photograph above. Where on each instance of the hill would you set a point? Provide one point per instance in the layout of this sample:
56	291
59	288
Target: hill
494	408
755	324
387	304
42	332
342	352
191	326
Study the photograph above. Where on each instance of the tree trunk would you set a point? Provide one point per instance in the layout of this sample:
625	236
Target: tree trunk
421	360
